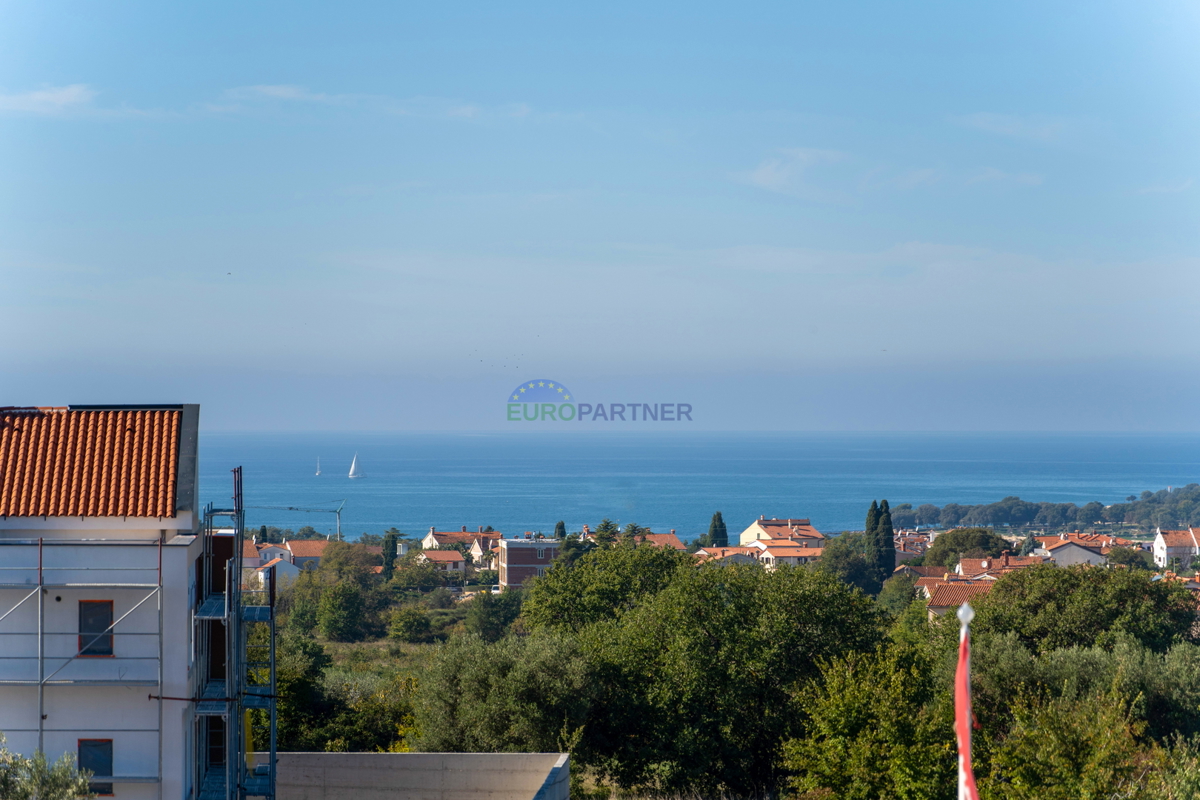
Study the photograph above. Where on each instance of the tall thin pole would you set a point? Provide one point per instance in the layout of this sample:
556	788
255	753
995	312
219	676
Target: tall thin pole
41	652
161	688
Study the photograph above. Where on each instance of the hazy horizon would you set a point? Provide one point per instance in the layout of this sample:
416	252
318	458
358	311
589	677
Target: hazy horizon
377	217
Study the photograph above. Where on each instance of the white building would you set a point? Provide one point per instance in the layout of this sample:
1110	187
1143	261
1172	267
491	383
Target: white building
114	619
1171	545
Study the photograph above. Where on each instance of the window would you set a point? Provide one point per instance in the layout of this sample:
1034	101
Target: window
541	571
95	618
96	756
541	553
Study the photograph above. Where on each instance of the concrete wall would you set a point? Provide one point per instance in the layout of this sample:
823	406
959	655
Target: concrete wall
423	776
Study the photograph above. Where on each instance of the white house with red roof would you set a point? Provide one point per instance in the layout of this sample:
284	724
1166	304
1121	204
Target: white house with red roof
763	528
445	560
1169	545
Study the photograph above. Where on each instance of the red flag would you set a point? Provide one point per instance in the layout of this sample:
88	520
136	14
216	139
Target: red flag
962	707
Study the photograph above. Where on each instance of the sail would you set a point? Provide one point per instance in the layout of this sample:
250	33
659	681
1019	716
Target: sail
354	473
318	466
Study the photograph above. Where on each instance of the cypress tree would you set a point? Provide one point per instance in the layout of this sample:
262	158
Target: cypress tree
886	543
560	530
389	555
718	536
872	520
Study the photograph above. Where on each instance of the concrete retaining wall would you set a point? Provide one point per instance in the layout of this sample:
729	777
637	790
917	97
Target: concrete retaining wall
423	776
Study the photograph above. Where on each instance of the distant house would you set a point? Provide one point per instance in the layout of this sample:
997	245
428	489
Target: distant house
250	556
729	555
773	554
1097	540
441	539
1170	545
662	540
266	552
306	553
1069	552
521	560
763	528
949	596
284	570
996	566
483	547
445	560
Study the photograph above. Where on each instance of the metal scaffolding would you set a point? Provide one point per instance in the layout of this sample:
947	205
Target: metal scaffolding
241	694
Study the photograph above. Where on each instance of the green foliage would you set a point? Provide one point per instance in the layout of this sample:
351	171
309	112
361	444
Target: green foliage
487	578
573	548
1065	749
36	778
600	585
898	592
606	532
390	546
413	575
885	544
440	597
490	615
949	547
560	529
1132	557
300	601
876	729
340	612
695	681
717	536
1053	607
346	561
522	694
409	624
846	558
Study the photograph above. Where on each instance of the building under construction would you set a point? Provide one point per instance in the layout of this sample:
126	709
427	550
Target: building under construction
127	637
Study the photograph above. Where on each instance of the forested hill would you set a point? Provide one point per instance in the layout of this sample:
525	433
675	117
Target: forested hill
1178	508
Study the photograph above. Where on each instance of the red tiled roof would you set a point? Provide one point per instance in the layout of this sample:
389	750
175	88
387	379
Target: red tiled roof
271	563
1086	539
663	540
62	462
1006	563
249	549
946	595
443	555
1179	538
307	548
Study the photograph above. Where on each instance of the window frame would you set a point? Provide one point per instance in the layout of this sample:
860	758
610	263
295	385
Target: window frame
95	636
97	787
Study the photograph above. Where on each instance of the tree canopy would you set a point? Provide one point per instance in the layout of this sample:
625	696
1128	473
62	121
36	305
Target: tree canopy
950	546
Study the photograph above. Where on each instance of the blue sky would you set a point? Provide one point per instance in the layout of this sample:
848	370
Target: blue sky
853	216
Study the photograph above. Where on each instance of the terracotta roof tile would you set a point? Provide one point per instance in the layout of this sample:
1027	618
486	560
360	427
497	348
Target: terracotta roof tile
249	549
443	555
307	548
1179	538
946	595
62	462
663	540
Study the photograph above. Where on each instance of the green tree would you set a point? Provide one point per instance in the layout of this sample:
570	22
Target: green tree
524	694
872	520
560	529
695	682
1131	557
845	557
718	536
897	593
300	600
1051	607
390	541
415	575
949	547
602	584
885	543
36	778
489	616
877	729
1065	749
409	624
1028	545
606	532
339	615
486	578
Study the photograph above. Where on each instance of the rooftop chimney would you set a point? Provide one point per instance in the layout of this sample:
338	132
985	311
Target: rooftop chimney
431	529
464	530
481	529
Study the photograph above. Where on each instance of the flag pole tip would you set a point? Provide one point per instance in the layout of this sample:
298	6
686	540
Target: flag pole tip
966	613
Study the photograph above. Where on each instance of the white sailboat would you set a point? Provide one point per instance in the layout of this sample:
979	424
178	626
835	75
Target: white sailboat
318	465
354	473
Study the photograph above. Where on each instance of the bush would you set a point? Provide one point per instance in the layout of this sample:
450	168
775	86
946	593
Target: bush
340	613
440	597
409	624
948	547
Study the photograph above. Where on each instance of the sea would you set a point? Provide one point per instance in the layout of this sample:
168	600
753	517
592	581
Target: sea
518	482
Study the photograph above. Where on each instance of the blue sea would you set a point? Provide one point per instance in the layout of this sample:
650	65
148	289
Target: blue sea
519	482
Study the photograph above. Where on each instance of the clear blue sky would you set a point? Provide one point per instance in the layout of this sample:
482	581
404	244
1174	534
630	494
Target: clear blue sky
808	216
